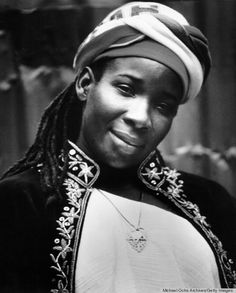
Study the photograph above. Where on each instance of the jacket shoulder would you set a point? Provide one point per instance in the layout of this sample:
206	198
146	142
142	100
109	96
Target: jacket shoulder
22	190
20	180
216	204
203	189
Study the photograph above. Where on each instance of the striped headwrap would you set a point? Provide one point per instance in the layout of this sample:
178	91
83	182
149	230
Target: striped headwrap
150	30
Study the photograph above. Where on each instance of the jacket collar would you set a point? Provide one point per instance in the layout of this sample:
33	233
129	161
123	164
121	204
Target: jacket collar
85	171
81	168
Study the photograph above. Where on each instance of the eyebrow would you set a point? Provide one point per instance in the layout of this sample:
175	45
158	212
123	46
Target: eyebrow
136	79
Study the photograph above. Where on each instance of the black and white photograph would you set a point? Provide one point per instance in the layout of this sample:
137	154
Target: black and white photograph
117	146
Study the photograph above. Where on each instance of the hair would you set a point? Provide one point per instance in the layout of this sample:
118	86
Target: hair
60	122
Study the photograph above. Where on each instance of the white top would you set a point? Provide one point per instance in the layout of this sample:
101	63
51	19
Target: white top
175	256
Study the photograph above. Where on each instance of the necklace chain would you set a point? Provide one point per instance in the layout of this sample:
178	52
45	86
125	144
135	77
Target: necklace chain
119	212
136	238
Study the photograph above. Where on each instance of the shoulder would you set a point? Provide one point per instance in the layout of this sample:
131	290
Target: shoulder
216	204
25	178
205	190
22	190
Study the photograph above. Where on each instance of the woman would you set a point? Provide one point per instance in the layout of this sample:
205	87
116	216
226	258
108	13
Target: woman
92	207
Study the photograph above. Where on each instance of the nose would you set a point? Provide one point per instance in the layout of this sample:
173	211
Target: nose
138	113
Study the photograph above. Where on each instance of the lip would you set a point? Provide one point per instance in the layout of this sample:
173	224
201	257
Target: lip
127	138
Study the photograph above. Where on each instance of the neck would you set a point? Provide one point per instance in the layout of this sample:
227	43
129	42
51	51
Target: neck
123	182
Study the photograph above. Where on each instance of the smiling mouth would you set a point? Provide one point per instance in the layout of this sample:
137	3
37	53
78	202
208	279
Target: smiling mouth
128	139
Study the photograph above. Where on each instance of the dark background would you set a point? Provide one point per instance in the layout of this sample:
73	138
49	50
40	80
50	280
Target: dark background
38	40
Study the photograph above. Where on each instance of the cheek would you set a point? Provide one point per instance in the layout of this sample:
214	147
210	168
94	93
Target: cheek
106	105
160	129
99	110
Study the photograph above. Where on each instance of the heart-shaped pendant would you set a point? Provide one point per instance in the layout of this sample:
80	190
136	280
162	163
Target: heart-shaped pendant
137	239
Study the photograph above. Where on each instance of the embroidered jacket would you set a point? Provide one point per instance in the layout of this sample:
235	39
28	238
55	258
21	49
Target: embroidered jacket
37	225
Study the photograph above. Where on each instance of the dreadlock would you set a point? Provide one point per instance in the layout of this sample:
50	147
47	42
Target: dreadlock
60	121
54	130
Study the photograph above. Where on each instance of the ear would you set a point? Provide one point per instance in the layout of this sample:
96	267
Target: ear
84	83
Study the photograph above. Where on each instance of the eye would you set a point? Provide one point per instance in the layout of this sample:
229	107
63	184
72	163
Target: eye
126	89
167	109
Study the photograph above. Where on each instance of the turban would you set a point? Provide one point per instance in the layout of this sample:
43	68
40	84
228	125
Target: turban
150	30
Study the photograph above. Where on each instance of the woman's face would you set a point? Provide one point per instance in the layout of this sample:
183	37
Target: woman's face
129	111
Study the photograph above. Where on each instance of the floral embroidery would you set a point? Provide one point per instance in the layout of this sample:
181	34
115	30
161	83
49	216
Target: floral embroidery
80	176
73	191
171	187
152	173
60	289
82	173
66	230
81	168
71	215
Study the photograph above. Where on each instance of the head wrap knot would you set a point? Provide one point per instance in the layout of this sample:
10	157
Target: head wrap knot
150	30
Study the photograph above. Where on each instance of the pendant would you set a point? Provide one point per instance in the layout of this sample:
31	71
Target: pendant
137	239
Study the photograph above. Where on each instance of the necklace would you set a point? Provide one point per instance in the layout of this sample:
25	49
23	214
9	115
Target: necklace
136	237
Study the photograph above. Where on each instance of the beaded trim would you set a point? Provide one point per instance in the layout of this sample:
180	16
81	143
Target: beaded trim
150	172
82	173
